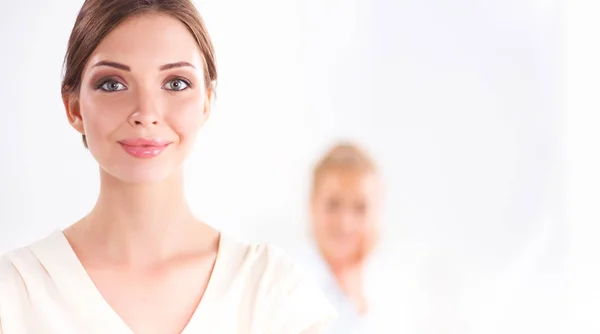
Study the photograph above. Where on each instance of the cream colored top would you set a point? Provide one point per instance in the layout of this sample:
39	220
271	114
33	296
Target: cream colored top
254	289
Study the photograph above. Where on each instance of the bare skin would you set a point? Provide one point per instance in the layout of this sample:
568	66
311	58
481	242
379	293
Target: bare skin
146	253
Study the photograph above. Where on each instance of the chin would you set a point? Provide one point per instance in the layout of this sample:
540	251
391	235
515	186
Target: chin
152	173
145	178
341	255
340	260
131	170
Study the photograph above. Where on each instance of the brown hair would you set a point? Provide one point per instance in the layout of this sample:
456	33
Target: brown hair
97	18
343	156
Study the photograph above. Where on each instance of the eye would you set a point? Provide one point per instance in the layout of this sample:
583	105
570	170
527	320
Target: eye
332	205
112	86
176	85
360	208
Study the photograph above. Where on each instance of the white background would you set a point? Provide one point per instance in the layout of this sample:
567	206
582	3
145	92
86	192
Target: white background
458	101
582	122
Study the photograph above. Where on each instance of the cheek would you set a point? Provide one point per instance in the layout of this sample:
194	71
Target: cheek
103	116
186	117
329	226
321	223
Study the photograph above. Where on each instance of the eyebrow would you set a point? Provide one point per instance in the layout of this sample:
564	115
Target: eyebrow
113	64
176	65
127	68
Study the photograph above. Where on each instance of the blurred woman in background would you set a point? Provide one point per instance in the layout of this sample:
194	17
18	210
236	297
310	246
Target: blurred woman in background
345	205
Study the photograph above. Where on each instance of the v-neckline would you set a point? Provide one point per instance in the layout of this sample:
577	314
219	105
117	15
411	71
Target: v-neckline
80	292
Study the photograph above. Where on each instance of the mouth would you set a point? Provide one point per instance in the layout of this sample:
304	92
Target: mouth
144	148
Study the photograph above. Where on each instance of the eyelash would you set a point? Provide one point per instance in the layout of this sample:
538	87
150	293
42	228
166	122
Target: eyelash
187	83
111	80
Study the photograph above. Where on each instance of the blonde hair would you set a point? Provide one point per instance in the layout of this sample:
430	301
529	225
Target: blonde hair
343	156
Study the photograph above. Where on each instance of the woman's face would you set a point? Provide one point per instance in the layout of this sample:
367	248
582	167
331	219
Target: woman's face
142	99
345	214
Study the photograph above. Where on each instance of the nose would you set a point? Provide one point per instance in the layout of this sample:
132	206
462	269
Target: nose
139	119
146	112
347	223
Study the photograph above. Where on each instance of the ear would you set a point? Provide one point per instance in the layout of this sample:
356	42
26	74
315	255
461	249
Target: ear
73	113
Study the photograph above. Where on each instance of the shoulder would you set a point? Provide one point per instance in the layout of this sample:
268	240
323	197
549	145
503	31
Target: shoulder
13	263
273	261
294	301
269	258
257	263
15	268
22	269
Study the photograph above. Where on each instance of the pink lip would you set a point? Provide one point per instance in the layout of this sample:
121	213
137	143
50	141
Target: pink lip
144	147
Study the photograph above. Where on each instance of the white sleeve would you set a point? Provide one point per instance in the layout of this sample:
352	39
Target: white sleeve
303	307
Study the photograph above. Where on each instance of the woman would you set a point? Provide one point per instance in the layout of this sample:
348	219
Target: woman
345	207
138	85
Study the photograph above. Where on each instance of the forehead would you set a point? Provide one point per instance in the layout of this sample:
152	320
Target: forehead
149	40
348	181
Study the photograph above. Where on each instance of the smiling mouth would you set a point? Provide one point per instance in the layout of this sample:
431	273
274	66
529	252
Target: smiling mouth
144	148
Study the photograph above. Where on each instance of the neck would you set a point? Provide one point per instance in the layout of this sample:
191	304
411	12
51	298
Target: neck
141	222
349	276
